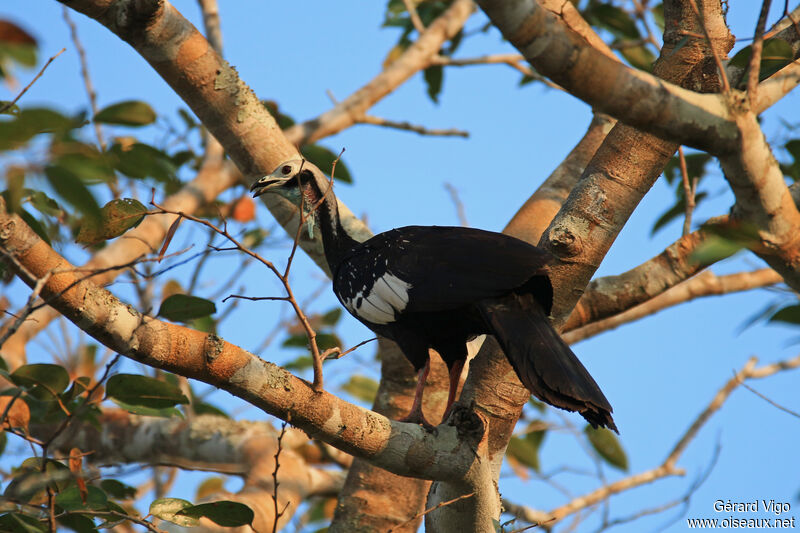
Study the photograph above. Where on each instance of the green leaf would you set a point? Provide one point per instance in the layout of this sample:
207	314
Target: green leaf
71	188
639	56
166	412
20	523
128	113
775	55
715	249
224	513
117	489
29	123
3	442
182	307
284	121
168	509
53	378
607	445
78	523
301	363
332	317
140	161
677	210
84	161
204	408
144	391
695	167
205	324
613	19
789	315
361	387
70	499
35	225
254	237
434	78
44	204
526	449
324	158
116	217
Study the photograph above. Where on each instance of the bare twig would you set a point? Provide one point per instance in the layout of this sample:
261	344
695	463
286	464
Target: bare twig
668	466
757	47
8	105
407	126
275	483
460	211
414	16
426	511
770	401
688	191
27	309
329	353
301	316
704	284
515	61
87	80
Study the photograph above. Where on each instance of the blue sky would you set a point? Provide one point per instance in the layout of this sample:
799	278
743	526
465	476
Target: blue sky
658	373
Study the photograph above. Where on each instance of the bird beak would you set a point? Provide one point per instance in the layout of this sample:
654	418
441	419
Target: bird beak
268	184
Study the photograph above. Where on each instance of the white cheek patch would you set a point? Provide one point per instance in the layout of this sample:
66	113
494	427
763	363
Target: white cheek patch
389	295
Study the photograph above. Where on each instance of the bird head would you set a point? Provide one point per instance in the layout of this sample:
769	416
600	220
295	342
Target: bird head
298	181
283	181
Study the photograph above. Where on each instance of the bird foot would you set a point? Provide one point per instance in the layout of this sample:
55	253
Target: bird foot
416	417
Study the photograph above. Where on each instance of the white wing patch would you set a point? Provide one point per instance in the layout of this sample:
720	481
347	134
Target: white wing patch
389	296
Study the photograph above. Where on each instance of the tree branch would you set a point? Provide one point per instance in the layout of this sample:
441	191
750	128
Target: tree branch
405	449
705	284
668	111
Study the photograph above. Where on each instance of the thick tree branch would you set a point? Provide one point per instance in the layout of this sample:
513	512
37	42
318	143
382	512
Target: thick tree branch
214	444
405	449
213	90
763	199
634	97
704	284
213	178
668	467
417	57
611	295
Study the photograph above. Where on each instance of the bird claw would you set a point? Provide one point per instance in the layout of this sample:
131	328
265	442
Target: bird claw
419	419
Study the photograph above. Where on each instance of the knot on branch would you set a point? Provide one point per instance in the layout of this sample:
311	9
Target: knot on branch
564	243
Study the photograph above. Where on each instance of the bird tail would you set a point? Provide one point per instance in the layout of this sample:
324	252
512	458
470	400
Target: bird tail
543	361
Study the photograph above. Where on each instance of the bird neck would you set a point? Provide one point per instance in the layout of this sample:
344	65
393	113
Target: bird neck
335	239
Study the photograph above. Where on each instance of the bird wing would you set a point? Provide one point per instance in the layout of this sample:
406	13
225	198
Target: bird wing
449	267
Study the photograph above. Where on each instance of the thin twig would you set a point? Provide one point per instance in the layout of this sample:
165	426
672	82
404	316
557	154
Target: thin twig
407	126
8	105
414	16
460	211
757	47
515	61
668	466
688	192
328	354
437	506
301	316
770	401
87	80
275	484
23	313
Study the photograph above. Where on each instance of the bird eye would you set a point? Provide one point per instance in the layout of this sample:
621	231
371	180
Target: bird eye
286	169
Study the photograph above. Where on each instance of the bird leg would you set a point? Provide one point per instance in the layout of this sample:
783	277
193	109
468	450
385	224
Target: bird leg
415	415
455	378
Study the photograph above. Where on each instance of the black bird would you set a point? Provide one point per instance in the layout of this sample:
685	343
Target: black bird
438	287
